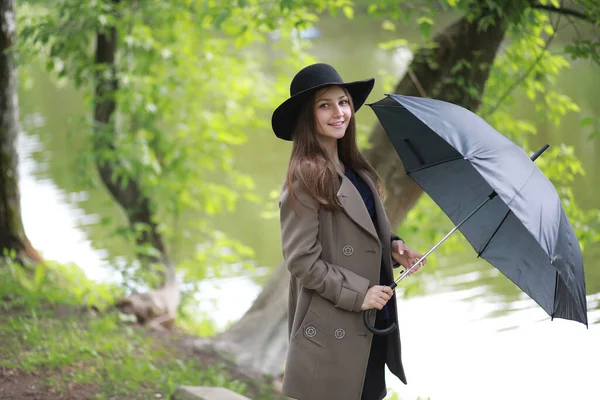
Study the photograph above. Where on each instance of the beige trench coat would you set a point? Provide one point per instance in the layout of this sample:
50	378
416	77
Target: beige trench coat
333	257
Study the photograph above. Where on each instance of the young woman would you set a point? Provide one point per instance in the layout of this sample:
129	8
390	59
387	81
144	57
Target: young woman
337	245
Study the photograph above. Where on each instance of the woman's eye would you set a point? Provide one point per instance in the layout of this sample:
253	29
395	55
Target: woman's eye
344	102
323	105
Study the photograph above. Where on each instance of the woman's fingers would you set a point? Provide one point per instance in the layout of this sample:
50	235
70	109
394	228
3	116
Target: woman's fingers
381	295
418	266
377	297
373	303
385	292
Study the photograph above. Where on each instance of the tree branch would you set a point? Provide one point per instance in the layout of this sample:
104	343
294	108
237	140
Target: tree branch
416	82
565	11
516	83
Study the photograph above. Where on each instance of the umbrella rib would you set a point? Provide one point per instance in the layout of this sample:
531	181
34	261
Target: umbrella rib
388	106
435	164
556	278
493	234
415	151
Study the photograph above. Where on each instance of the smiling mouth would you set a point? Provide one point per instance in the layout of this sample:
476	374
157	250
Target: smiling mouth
337	123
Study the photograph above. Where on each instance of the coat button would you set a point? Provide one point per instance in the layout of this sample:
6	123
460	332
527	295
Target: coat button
339	333
310	331
348	250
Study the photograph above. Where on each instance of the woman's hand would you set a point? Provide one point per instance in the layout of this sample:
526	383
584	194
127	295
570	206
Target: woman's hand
377	297
406	256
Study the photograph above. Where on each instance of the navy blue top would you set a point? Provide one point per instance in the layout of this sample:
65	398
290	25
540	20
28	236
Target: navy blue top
369	200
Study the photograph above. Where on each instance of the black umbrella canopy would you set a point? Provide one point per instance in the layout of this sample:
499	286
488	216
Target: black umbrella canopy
459	160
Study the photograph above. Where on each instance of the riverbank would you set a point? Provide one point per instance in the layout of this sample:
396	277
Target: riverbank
61	339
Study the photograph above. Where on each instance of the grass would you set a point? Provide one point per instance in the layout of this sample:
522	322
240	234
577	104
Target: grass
53	341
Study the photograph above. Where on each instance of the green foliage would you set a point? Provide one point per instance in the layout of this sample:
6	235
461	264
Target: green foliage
109	359
594	123
423	12
48	326
529	67
393	395
562	166
584	49
53	283
190	89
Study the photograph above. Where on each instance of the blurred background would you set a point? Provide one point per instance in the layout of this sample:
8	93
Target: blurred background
197	82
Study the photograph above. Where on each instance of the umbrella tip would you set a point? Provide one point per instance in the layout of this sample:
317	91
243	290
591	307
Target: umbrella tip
540	151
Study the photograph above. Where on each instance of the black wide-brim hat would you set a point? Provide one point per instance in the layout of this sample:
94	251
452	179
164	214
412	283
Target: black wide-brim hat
305	83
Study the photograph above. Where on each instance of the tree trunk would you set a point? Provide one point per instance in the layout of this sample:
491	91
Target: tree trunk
156	307
460	42
258	337
127	193
12	233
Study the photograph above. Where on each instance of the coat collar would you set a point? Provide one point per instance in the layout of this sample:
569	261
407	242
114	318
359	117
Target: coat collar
354	206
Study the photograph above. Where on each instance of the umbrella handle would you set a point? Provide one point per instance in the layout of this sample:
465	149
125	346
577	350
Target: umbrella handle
404	274
371	328
375	331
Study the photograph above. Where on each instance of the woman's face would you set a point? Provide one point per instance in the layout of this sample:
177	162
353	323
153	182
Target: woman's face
332	112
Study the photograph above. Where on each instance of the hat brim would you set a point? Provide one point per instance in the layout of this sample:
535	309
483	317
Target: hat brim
284	117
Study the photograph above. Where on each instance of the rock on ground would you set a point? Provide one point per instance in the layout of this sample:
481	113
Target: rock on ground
205	393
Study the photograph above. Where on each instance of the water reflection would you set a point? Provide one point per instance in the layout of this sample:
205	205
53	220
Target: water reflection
489	283
54	226
50	221
452	350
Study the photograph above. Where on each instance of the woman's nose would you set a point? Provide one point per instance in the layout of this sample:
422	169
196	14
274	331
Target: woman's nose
338	111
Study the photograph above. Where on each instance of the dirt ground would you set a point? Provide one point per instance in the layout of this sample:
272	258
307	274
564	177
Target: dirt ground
18	385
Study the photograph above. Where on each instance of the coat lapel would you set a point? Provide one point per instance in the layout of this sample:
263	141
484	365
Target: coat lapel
354	205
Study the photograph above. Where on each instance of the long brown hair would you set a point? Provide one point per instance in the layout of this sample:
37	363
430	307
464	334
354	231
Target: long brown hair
310	164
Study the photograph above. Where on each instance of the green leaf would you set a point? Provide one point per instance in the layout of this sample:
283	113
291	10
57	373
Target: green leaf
425	30
425	24
40	274
388	25
103	20
586	121
393	44
425	20
348	12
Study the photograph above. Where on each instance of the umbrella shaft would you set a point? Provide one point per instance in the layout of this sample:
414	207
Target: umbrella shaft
407	271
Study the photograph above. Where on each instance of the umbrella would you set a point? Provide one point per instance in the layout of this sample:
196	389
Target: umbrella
495	195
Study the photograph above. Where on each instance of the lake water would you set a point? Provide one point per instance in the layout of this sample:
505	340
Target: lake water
464	336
